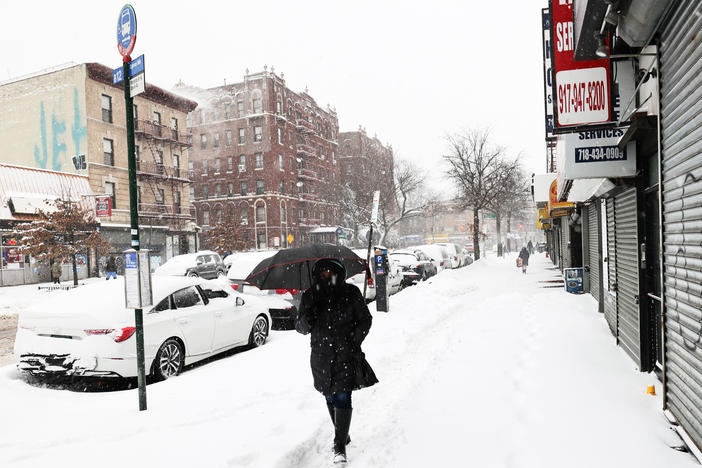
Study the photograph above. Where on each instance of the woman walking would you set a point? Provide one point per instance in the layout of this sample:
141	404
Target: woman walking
56	271
524	255
336	316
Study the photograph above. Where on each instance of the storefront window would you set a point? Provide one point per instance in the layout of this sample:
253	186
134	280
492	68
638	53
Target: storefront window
12	259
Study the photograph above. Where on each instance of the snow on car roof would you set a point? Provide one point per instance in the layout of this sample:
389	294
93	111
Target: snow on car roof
180	263
243	263
104	301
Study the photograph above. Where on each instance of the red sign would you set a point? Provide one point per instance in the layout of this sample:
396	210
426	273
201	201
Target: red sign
103	206
581	88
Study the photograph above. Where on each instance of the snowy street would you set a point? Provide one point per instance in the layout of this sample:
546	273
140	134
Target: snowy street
480	366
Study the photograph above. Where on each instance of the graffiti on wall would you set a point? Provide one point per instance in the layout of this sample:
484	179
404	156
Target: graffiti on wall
57	158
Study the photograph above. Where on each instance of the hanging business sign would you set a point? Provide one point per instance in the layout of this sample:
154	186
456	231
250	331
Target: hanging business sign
548	71
103	206
581	89
595	154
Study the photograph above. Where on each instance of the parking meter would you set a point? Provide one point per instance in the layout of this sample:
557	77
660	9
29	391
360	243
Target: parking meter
382	270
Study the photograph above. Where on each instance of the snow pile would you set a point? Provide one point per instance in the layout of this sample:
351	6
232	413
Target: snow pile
478	366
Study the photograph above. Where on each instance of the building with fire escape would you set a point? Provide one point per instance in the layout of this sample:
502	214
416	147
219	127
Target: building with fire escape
71	118
266	156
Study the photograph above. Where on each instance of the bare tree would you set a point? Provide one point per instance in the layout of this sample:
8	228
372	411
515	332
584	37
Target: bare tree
477	167
511	200
403	199
63	232
224	237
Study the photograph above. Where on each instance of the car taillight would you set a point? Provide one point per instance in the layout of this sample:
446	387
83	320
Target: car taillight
124	334
99	331
235	287
371	283
441	264
418	266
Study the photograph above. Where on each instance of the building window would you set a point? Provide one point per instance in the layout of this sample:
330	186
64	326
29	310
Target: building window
282	187
205	192
260	214
244	216
333	157
106	108
290	139
218	190
204	167
202	116
159	157
258	133
257	108
242	187
242	136
262	240
240	108
283	214
230	163
157	118
174	128
230	189
279	107
216	140
228	137
259	160
292	165
242	163
259	187
110	191
206	218
292	188
135	110
176	202
160	196
292	215
302	215
137	156
138	194
203	141
227	111
281	165
217	166
192	193
280	136
109	151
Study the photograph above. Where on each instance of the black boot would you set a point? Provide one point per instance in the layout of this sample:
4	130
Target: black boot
330	408
342	422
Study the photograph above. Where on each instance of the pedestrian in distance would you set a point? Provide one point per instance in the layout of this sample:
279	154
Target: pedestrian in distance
524	256
530	246
334	313
56	271
111	268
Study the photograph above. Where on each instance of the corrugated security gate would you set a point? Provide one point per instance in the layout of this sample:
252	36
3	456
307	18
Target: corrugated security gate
609	294
565	239
593	245
681	142
627	240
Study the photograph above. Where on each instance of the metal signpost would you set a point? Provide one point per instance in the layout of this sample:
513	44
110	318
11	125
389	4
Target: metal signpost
373	220
126	39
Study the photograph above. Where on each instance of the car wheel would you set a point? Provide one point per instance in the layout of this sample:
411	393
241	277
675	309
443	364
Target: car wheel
220	274
424	275
169	360
192	274
259	332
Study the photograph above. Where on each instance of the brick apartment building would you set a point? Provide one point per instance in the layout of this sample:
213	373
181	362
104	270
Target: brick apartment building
366	165
72	119
265	155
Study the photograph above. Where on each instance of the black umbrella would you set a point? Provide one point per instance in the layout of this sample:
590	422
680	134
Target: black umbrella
292	268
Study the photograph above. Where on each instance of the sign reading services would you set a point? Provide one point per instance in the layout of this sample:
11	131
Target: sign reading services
595	153
581	89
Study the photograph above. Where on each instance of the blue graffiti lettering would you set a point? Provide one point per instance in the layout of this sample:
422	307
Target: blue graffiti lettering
78	131
41	159
56	129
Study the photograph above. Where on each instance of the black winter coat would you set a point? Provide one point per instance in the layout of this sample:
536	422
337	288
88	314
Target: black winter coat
524	255
338	325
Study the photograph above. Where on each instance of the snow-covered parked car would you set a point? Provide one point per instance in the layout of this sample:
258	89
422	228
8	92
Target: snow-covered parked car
88	331
282	303
437	255
415	265
456	253
205	264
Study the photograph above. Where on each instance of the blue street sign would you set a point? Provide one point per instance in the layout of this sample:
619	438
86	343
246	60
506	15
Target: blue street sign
126	30
339	231
378	259
136	66
130	261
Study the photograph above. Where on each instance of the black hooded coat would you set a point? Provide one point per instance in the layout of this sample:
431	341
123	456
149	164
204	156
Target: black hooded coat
338	320
524	255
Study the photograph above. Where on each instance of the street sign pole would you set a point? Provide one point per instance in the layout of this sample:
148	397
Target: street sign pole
126	38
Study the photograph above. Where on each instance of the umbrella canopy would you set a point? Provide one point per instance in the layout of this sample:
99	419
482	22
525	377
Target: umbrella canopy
292	268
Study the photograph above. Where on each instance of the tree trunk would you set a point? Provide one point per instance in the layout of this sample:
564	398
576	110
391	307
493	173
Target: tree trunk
499	234
75	270
476	233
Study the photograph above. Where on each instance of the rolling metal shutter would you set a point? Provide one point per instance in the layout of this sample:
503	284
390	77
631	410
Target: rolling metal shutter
627	251
593	250
565	238
681	143
610	295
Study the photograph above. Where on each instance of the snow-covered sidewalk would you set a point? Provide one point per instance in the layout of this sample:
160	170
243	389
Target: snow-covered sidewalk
478	367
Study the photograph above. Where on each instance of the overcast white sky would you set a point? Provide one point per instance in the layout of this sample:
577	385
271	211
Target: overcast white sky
409	71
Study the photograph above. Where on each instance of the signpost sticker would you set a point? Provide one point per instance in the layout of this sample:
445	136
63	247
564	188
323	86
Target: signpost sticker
376	202
131	280
126	30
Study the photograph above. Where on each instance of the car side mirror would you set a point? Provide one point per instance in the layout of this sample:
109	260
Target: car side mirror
432	260
239	301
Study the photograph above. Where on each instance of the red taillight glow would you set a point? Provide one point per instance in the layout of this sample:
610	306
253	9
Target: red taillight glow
235	287
99	331
285	291
371	283
124	334
442	264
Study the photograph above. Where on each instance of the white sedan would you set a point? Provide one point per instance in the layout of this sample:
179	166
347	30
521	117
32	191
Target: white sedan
88	332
